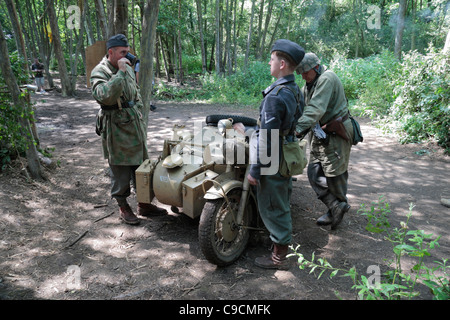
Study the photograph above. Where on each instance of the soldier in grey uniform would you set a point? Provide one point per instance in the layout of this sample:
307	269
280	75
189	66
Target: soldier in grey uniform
279	112
120	124
326	113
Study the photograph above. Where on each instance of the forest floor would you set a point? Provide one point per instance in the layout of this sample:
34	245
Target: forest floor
61	239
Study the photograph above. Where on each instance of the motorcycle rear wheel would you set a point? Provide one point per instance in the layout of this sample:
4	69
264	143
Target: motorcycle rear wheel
221	240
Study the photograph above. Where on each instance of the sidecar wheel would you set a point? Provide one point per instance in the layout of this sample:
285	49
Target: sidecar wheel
222	241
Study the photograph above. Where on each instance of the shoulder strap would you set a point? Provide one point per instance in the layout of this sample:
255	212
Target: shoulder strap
291	130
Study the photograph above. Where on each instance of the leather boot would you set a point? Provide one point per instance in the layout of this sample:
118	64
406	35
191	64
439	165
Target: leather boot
338	213
127	215
277	260
148	209
325	219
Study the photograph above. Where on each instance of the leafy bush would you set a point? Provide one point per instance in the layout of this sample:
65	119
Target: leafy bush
412	97
422	98
368	80
241	87
12	140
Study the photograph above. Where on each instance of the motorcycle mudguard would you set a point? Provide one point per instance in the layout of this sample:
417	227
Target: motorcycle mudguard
221	187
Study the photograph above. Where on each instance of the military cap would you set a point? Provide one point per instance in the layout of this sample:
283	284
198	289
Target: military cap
291	48
310	60
119	40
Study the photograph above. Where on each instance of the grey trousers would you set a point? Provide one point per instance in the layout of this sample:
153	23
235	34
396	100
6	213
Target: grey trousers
329	190
273	195
121	176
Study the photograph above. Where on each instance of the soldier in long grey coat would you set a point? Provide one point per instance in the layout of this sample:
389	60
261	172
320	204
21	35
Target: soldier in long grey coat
326	113
120	124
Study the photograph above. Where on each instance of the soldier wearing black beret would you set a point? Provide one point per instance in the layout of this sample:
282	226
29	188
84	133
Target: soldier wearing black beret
279	111
122	125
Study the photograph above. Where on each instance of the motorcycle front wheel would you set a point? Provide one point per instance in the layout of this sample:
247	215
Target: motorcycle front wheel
221	239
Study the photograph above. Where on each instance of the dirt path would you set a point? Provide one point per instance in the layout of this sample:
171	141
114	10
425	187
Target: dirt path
66	229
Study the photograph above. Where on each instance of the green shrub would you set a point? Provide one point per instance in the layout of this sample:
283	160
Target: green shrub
395	283
12	140
421	108
368	81
241	87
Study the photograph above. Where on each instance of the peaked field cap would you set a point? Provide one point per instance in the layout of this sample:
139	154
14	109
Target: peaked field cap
289	47
309	61
119	40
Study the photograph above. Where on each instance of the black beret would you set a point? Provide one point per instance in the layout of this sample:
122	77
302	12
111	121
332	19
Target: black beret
119	40
291	48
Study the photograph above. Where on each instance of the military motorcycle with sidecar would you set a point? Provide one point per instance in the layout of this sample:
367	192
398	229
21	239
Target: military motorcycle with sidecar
202	173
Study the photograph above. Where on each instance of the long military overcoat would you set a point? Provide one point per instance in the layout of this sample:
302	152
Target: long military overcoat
122	130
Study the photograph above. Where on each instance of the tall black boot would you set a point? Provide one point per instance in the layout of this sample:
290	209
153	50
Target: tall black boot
330	201
338	213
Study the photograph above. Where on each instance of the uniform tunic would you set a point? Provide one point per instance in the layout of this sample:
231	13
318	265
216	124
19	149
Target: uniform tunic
324	102
277	112
123	131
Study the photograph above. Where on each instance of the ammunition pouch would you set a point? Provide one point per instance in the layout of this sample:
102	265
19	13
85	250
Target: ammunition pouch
337	127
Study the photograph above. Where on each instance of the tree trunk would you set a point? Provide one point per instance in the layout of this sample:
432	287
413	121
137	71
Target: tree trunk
446	49
227	58
266	27
110	11
63	75
413	25
218	39
180	50
249	36
400	28
259	30
100	9
150	20
20	102
121	17
200	29
18	35
166	63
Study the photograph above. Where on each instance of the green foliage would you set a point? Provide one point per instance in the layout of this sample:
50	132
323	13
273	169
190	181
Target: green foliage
242	87
11	135
368	81
422	98
395	283
411	98
377	216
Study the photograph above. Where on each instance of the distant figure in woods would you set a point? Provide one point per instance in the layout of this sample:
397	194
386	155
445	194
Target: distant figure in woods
38	69
121	125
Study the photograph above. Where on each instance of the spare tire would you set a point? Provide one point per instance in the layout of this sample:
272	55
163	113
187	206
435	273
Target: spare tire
213	119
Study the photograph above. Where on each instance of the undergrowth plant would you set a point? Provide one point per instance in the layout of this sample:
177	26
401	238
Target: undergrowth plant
395	283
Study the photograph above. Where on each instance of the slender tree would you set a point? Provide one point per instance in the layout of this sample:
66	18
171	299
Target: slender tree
66	85
200	30
18	35
150	20
400	29
21	103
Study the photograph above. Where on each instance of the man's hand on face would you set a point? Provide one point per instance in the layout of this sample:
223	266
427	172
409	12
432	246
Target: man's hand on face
122	64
